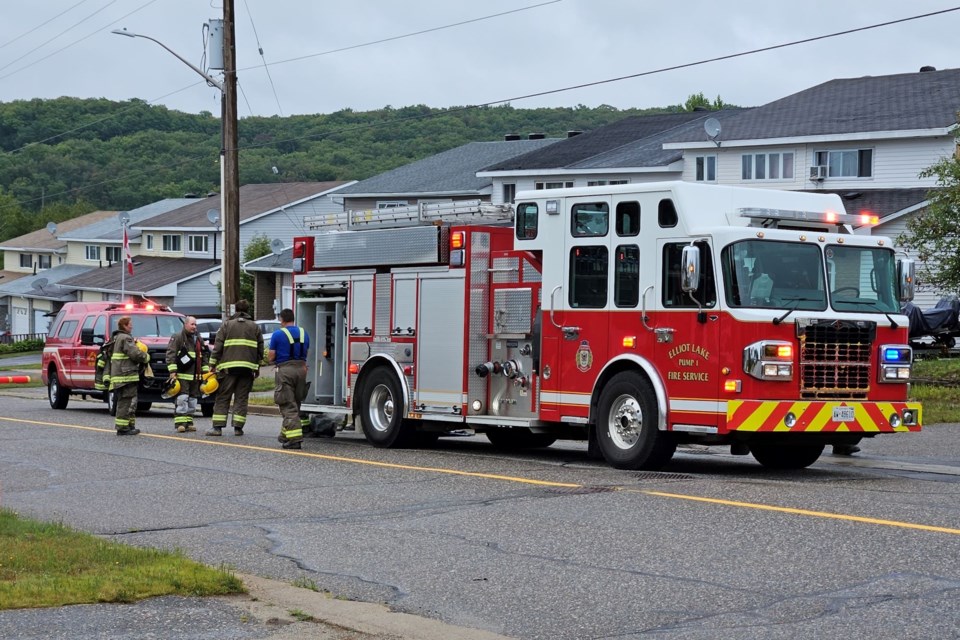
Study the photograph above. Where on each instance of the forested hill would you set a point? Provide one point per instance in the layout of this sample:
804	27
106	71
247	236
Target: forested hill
68	156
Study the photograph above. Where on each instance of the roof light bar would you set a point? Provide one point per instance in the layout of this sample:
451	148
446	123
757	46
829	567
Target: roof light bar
828	216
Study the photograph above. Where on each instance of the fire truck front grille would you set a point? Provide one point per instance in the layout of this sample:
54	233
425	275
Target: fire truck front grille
835	360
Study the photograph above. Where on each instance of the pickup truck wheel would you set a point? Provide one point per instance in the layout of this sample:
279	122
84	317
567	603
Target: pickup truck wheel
382	409
627	431
57	394
786	456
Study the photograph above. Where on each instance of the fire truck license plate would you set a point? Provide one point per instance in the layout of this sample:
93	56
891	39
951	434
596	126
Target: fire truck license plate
843	414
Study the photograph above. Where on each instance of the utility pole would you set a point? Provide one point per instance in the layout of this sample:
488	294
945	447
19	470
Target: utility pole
230	158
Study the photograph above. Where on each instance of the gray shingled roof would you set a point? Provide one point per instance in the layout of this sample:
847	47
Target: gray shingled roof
880	202
149	273
255	199
270	262
450	172
903	102
571	151
52	290
43	240
109	229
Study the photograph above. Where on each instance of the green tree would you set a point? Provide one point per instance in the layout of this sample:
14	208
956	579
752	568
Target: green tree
258	247
934	233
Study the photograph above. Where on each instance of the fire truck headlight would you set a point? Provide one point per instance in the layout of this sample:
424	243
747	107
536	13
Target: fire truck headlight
895	362
769	360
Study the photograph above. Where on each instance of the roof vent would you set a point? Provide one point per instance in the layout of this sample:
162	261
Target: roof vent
926	68
536	136
573	134
511	136
190	195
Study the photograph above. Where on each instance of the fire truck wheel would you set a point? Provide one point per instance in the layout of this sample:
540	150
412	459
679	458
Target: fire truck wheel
519	438
381	411
57	394
786	456
206	410
143	407
627	432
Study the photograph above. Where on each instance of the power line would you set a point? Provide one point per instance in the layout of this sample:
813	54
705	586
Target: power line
410	35
67	30
42	24
89	35
266	67
531	95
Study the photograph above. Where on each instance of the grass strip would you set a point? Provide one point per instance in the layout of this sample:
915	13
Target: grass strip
51	565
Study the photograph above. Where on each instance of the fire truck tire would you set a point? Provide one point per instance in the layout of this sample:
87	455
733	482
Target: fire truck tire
143	407
206	410
627	432
519	438
57	394
382	409
786	456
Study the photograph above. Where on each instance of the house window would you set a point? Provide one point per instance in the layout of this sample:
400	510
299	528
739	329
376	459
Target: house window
92	252
509	193
554	185
390	204
44	261
766	166
706	168
26	260
603	183
846	163
114	254
588	277
171	242
150	241
197	244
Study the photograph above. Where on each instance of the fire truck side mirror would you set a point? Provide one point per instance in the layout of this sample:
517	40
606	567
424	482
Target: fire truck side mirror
906	269
690	278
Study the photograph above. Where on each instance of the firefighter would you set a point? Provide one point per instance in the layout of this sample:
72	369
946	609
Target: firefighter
187	360
236	358
128	355
288	351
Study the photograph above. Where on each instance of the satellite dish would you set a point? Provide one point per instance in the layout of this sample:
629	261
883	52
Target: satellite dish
123	217
712	127
51	228
213	216
214	278
40	283
276	245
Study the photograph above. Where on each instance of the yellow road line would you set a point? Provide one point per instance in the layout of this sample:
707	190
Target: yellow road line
320	456
799	512
542	483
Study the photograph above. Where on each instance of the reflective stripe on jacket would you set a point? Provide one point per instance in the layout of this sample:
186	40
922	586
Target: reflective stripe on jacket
239	345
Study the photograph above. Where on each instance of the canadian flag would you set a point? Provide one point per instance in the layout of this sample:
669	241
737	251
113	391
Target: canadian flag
126	252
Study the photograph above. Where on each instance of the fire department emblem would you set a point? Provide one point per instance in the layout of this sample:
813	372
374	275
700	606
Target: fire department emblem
584	357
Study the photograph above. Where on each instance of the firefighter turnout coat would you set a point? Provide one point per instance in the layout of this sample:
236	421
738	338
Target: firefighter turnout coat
188	356
125	361
239	346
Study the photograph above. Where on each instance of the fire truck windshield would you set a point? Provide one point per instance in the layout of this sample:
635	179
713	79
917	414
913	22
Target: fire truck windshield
152	325
774	275
798	276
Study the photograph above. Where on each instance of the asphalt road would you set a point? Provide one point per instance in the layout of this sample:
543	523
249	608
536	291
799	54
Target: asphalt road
545	545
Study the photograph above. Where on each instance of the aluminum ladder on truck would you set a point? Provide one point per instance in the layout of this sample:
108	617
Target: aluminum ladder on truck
414	215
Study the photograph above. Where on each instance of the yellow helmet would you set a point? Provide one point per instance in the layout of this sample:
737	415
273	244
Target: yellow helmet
171	389
209	384
141	346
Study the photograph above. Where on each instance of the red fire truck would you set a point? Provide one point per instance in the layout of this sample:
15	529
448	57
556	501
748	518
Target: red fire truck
638	317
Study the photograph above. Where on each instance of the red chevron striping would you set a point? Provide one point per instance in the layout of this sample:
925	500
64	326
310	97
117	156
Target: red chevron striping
776	417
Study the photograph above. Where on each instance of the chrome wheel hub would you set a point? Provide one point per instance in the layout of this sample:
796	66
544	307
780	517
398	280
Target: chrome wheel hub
625	422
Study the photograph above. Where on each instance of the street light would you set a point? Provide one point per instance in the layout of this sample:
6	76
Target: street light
229	174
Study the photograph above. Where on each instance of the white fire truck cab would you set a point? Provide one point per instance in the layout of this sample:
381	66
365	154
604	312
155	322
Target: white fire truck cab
637	316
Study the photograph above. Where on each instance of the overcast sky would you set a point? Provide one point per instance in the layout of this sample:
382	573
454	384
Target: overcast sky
51	48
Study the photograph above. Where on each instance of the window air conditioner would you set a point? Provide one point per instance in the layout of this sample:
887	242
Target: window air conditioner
818	172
